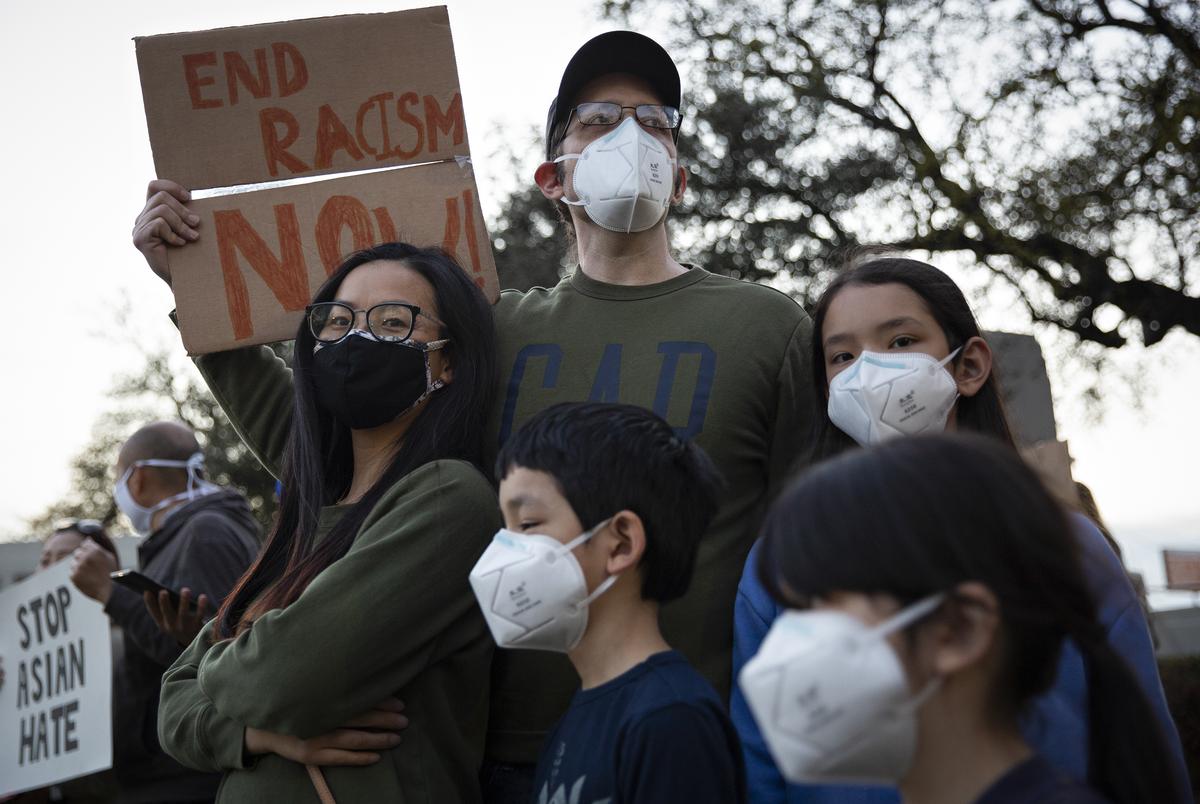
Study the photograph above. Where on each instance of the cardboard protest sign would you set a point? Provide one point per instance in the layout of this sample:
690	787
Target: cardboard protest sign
1025	384
1183	569
269	102
262	254
55	705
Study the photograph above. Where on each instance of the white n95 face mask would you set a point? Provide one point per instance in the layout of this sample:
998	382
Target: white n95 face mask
142	517
532	590
831	699
882	396
624	180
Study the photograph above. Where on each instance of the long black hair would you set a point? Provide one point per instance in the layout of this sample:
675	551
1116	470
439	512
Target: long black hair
918	516
981	413
318	463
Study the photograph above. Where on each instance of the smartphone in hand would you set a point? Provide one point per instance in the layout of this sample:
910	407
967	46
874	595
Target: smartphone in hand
137	582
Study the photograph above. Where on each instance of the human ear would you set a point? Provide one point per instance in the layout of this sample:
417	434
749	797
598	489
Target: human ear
680	185
973	367
136	483
966	633
626	542
548	179
446	374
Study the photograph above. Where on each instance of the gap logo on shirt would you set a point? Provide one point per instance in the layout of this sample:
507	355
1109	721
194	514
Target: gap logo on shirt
672	386
560	795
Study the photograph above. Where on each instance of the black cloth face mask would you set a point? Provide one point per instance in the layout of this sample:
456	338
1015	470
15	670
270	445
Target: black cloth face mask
364	382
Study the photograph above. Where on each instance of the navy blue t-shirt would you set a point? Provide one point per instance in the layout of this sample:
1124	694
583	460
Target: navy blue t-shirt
656	734
1036	781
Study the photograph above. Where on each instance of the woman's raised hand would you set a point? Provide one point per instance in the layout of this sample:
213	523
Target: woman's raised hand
164	221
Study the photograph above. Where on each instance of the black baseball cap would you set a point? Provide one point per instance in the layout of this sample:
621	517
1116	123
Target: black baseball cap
612	52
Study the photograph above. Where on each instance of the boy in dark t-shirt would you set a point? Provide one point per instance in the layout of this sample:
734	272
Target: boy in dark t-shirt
604	507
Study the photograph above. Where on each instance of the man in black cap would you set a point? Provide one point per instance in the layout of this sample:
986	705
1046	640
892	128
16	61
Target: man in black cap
724	362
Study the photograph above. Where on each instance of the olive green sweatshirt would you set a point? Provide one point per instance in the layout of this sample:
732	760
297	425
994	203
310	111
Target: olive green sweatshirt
727	363
395	616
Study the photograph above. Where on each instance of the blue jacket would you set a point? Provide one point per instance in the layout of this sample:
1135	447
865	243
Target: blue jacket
1057	725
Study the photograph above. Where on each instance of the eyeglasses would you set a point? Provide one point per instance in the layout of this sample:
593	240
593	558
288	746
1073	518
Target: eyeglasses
605	113
329	322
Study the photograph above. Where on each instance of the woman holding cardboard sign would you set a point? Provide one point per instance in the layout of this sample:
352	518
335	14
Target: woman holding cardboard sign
359	596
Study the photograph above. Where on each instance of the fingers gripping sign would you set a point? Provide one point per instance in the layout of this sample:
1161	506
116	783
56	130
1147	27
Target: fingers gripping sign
91	566
164	221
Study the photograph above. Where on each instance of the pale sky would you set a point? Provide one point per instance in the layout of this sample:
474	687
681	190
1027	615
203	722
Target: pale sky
79	160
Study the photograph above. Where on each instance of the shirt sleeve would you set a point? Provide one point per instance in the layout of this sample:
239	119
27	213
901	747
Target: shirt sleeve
680	752
371	621
1120	613
254	388
794	409
751	621
190	728
214	554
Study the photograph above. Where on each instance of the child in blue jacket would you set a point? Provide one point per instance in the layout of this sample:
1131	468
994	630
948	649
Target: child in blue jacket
897	351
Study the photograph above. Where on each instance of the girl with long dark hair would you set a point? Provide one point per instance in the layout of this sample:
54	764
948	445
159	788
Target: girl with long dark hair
921	625
359	598
896	351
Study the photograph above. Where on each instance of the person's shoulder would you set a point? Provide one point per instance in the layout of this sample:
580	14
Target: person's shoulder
752	297
668	680
751	592
1105	574
1036	781
1091	540
452	493
219	512
512	300
446	476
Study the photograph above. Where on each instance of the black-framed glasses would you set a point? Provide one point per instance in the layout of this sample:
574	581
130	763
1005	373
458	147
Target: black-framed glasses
607	113
329	322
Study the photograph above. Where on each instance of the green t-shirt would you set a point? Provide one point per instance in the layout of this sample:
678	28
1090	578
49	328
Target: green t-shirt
726	363
394	616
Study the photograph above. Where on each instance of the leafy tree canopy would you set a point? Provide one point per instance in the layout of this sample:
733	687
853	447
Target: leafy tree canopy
161	390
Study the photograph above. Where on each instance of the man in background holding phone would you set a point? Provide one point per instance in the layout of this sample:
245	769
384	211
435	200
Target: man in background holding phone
198	539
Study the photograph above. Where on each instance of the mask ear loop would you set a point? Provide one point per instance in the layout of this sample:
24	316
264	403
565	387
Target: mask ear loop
910	616
194	464
942	365
607	582
917	611
563	158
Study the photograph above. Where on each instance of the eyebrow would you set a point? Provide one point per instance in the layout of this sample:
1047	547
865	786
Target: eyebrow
520	500
348	303
897	322
892	323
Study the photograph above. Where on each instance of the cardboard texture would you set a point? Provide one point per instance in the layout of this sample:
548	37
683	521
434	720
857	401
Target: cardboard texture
1052	461
1025	385
1183	569
261	255
270	102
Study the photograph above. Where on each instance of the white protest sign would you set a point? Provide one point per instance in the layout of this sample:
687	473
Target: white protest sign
56	702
